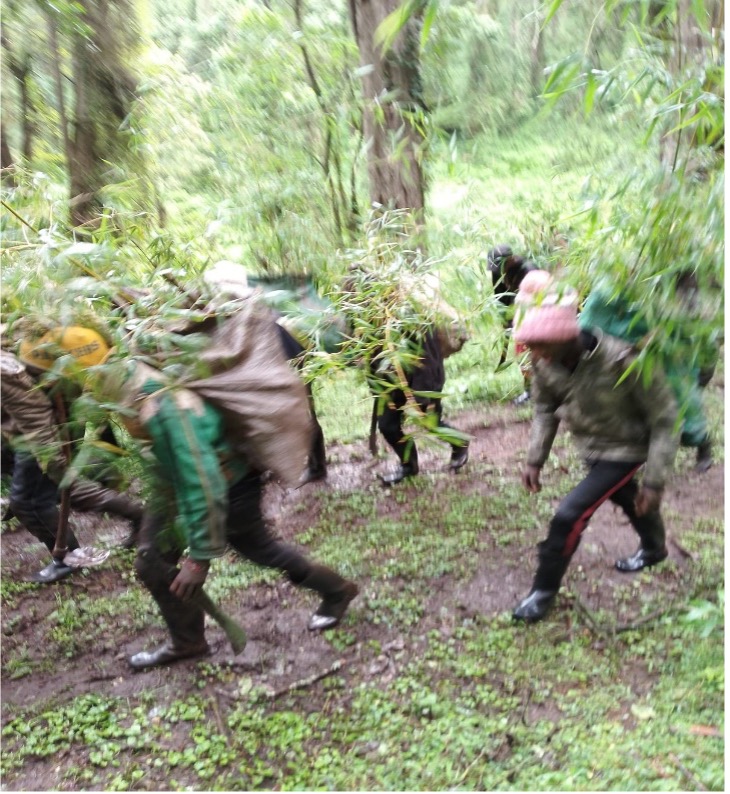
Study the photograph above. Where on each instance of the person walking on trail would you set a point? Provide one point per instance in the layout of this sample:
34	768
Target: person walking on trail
426	375
218	503
230	279
618	423
407	375
508	270
39	465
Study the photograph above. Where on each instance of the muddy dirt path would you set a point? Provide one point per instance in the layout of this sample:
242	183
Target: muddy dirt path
280	650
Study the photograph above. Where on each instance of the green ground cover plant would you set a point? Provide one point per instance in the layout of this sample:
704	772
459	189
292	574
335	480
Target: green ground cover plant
434	693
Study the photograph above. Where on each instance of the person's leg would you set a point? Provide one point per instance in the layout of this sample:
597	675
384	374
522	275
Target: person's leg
704	455
390	423
92	497
34	502
158	551
695	432
603	480
649	528
317	458
249	535
459	452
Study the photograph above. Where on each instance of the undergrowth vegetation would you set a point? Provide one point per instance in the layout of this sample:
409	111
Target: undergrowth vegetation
480	706
427	684
428	693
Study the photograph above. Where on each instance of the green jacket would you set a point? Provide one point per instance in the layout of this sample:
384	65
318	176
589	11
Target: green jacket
625	422
617	317
189	443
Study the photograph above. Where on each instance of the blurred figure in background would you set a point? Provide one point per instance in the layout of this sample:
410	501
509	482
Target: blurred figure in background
508	271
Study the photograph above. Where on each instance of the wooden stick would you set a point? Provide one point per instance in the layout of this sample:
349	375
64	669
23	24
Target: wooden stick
686	772
305	682
60	548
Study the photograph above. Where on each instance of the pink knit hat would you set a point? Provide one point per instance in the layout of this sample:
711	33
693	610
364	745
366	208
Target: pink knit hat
548	324
534	282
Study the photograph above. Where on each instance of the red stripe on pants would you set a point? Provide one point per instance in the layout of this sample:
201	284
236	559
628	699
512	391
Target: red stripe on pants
574	535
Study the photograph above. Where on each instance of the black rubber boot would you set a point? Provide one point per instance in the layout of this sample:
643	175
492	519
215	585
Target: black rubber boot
337	592
551	568
640	559
704	456
459	457
534	606
653	548
53	572
166	654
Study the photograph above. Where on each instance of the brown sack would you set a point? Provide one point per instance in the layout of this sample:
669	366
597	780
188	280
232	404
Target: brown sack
263	401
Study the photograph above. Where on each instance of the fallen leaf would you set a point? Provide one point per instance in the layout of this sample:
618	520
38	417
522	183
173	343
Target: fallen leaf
705	730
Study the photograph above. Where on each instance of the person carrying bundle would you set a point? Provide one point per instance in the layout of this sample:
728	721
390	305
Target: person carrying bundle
35	431
238	411
404	361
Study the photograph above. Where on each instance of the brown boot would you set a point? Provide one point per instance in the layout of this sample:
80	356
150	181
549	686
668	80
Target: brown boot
337	594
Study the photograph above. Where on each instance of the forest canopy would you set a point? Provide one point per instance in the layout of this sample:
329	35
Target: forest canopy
167	136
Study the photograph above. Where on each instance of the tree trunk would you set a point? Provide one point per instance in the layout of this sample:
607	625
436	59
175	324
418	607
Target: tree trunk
537	55
83	162
6	159
103	99
391	86
27	108
21	70
58	84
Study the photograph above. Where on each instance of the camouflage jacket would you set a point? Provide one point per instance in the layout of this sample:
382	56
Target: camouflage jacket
31	424
625	421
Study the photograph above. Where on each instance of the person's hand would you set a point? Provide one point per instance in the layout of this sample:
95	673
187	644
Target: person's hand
647	500
531	478
190	579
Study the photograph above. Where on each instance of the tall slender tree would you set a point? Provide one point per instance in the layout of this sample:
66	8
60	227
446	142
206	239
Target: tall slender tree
104	93
392	106
19	60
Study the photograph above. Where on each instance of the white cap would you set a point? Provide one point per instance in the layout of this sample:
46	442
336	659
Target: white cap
229	278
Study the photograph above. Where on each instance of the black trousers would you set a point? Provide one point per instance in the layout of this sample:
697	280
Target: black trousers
390	424
605	480
34	502
247	533
317	458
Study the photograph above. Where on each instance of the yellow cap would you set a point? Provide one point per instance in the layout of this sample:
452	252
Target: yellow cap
86	346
